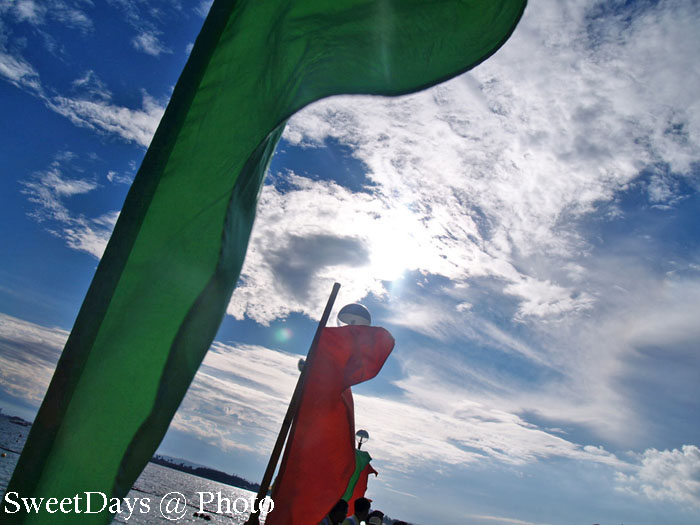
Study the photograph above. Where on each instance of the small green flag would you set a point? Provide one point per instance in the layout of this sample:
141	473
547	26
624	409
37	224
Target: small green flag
163	284
362	459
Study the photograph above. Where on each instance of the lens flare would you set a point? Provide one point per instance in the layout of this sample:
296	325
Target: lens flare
282	335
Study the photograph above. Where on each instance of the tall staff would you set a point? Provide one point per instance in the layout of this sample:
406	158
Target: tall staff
293	407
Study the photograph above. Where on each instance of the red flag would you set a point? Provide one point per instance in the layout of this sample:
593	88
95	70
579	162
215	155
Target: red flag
361	486
319	458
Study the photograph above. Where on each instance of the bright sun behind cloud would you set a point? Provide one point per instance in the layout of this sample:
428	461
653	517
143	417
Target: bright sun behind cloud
395	246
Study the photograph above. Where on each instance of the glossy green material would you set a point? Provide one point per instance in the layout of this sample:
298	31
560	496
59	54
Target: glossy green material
161	289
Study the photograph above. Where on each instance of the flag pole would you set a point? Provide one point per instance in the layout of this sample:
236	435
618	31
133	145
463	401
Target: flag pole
292	409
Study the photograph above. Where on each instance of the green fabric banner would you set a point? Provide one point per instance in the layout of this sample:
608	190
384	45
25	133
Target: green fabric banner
162	286
362	459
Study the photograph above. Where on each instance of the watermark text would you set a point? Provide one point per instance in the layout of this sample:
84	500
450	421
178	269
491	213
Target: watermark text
173	506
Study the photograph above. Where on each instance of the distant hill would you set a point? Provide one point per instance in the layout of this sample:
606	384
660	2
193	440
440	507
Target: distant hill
204	472
18	421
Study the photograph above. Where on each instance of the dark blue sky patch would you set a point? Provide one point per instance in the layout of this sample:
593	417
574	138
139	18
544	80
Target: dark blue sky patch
635	217
332	162
299	330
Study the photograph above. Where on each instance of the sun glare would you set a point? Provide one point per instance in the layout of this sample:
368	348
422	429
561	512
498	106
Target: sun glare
395	246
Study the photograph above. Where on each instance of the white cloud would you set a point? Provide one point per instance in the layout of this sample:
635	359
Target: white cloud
295	269
28	356
116	178
240	394
137	125
91	85
499	166
19	72
29	11
666	475
149	43
89	235
546	299
91	107
461	432
597	371
51	191
35	13
238	397
71	16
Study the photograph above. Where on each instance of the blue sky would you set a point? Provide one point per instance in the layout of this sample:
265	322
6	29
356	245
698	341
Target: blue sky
527	231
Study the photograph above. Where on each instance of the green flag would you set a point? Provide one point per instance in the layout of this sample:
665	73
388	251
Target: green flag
362	459
162	286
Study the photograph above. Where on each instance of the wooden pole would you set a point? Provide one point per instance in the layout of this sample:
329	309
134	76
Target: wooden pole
254	518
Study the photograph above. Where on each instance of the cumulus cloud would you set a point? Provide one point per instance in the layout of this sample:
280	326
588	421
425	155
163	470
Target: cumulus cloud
544	299
299	266
90	105
666	475
89	235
